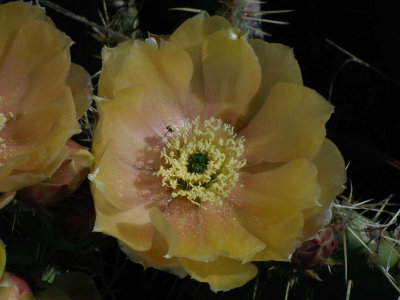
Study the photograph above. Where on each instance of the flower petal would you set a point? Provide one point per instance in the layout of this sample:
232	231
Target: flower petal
221	274
332	177
232	75
34	143
277	65
165	72
281	240
179	225
81	87
113	61
132	226
190	36
195	30
290	124
222	231
121	119
267	205
154	257
37	52
13	15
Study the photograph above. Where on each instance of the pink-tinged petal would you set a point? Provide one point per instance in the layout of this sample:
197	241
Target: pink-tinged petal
40	132
165	72
132	226
269	204
122	119
221	230
290	124
277	65
221	274
155	257
124	185
40	117
12	181
14	288
203	233
331	177
81	87
37	52
232	75
181	228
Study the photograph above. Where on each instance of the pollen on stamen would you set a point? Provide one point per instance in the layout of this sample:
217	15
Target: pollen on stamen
202	160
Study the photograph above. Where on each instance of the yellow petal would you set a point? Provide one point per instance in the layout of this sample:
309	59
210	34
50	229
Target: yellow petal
42	131
113	60
190	36
81	87
195	30
12	182
277	65
270	205
165	72
221	274
231	73
132	226
121	119
13	15
222	231
2	258
270	196
180	226
290	124
331	177
36	144
37	52
281	241
155	257
203	233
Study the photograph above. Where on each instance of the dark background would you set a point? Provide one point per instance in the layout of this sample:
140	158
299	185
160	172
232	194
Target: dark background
365	127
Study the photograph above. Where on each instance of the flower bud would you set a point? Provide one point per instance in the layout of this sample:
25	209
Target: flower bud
317	251
64	181
14	288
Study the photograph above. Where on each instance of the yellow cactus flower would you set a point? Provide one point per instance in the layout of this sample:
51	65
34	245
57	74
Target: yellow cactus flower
210	153
41	97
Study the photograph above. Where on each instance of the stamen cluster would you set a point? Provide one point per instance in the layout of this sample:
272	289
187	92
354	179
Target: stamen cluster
202	160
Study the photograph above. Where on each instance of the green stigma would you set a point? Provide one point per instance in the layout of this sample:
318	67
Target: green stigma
197	163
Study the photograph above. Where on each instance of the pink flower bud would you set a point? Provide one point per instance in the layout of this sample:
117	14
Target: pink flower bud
317	251
14	288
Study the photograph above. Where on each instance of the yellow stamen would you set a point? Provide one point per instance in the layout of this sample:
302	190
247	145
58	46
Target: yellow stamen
217	150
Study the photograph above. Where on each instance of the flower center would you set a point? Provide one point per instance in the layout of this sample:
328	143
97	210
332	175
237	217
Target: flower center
197	162
201	160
